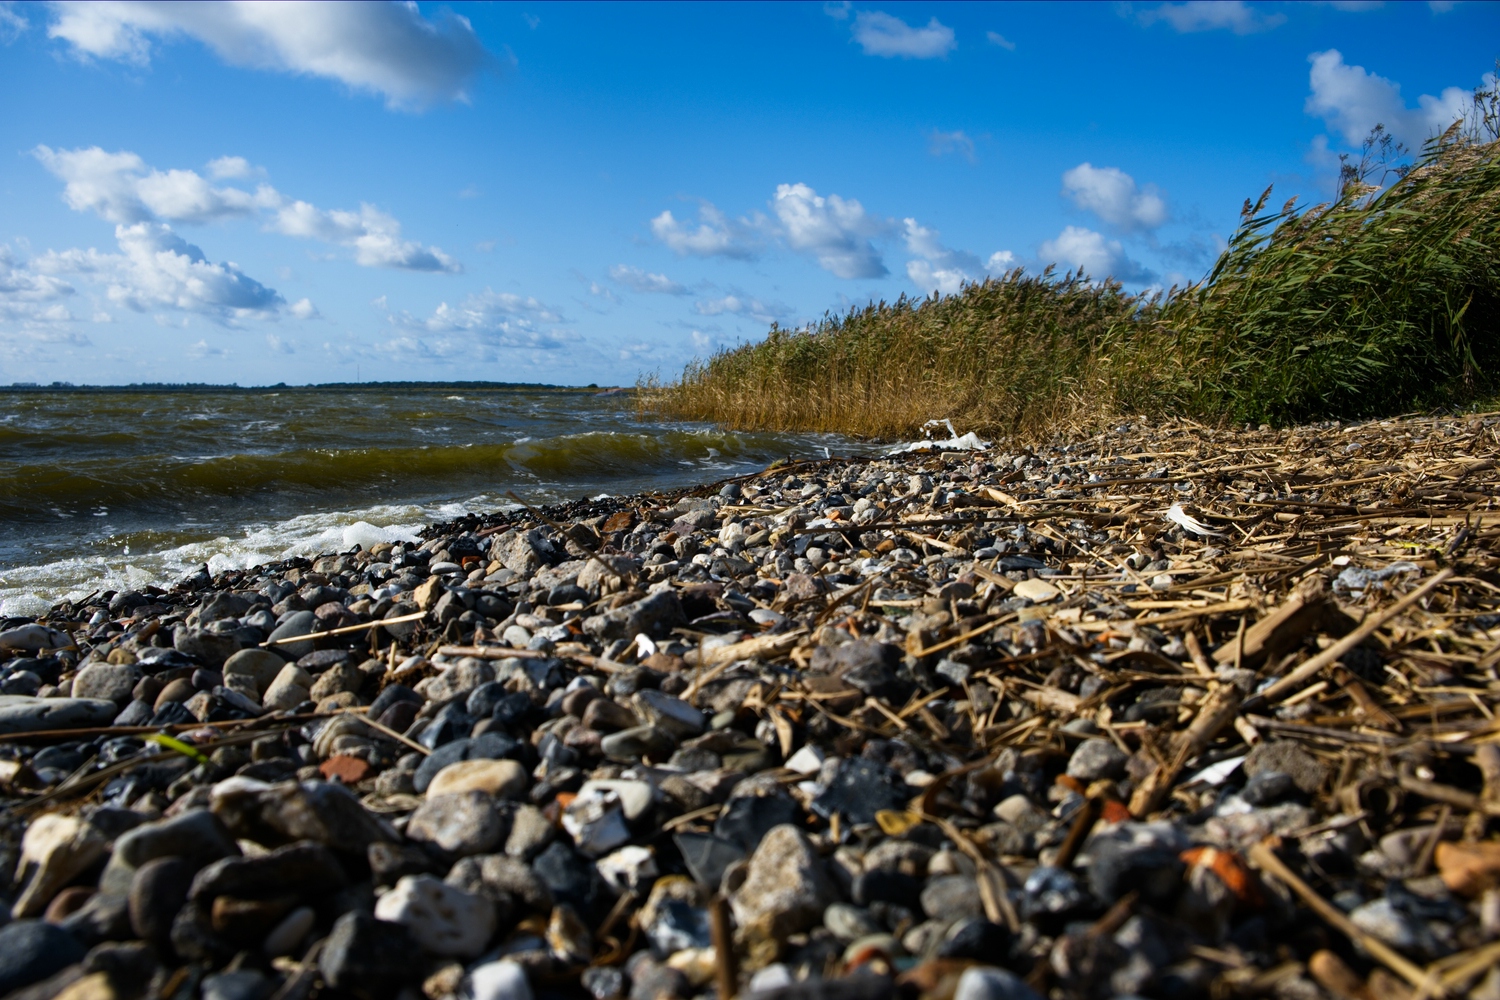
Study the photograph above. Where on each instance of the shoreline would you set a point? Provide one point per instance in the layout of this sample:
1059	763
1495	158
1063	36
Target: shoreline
867	702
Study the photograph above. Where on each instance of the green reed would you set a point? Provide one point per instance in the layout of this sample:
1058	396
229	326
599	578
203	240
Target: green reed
1380	301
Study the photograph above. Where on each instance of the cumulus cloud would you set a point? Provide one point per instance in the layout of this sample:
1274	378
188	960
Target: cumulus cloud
715	235
940	142
645	281
121	188
942	269
479	328
882	34
834	230
1212	15
1353	101
1095	255
304	309
231	168
1113	196
384	48
29	298
373	235
741	305
158	269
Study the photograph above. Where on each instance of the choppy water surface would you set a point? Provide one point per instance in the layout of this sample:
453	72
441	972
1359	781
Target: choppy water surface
107	488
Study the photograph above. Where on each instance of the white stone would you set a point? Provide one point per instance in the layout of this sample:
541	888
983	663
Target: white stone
808	760
442	919
630	869
54	850
635	796
1036	591
502	980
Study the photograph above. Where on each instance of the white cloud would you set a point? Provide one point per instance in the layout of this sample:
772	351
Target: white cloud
939	142
478	328
1112	195
1211	15
12	23
304	309
837	9
942	269
29	298
1352	101
600	291
1095	255
278	345
373	235
232	168
881	34
832	229
645	281
996	38
740	305
384	48
715	235
121	188
202	349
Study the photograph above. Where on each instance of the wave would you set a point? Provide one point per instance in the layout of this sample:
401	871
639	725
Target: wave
164	482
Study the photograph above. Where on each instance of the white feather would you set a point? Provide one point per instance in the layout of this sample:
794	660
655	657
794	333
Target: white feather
1188	522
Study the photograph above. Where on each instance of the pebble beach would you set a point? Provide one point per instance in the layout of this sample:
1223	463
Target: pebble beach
1166	711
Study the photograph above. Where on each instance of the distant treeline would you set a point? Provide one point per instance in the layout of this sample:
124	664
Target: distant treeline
1385	300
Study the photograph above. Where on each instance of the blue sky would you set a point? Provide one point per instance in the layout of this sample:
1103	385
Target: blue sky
577	193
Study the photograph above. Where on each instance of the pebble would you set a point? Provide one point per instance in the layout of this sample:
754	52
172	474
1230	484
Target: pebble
501	779
32	950
461	824
624	757
1096	759
442	919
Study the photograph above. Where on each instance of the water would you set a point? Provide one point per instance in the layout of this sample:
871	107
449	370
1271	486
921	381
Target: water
103	489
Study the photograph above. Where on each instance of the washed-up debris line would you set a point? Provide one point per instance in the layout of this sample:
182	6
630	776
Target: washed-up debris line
1166	712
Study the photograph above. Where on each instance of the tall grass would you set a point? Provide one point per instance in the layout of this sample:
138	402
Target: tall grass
1384	299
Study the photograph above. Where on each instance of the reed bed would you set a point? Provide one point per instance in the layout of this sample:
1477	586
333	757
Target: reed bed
1384	300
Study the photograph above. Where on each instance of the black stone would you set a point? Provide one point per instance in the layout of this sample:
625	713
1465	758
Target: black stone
392	694
368	958
1118	868
305	869
978	939
706	856
884	886
451	723
571	878
1268	788
173	713
389	862
750	817
31	950
860	789
157	891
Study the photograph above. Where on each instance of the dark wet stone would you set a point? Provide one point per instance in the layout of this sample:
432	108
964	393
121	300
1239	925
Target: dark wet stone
197	837
706	856
157	892
194	938
31	950
320	811
748	818
388	862
886	886
241	984
451	723
305	869
102	918
860	789
975	938
368	958
393	694
570	878
1268	788
1118	868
